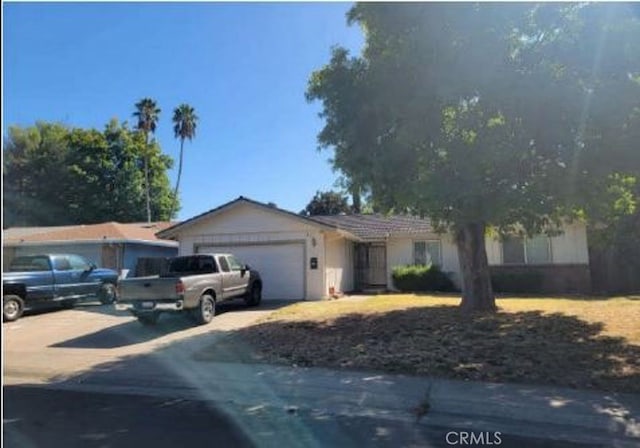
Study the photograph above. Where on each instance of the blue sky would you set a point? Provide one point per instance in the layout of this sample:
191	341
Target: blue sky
244	67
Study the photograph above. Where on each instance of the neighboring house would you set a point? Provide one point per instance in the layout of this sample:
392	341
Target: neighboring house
111	245
307	257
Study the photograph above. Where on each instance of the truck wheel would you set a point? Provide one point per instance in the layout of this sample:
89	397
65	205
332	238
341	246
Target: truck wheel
107	294
255	295
148	319
12	307
205	311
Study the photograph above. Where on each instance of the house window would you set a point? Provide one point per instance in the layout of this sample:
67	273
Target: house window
536	250
427	252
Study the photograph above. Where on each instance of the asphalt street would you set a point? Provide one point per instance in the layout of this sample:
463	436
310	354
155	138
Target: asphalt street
39	417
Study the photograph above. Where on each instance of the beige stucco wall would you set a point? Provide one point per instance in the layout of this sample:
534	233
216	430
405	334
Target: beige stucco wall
247	223
570	247
339	263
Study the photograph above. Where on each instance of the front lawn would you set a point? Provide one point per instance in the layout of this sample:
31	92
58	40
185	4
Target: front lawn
585	343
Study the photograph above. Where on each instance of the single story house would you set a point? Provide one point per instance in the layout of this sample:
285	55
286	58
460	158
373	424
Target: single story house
111	244
310	257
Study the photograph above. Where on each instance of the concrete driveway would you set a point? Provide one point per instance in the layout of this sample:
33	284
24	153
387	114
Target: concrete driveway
55	345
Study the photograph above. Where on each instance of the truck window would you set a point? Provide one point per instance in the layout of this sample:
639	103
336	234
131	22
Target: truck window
234	264
35	263
223	264
192	265
207	265
61	264
78	263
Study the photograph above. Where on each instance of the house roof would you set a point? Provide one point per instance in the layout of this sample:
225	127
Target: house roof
108	231
375	227
171	231
358	227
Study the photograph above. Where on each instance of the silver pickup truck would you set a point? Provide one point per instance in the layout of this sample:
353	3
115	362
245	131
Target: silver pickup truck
194	284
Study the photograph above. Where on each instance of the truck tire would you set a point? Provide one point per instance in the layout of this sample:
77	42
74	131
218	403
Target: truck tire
148	319
254	296
205	311
12	307
107	293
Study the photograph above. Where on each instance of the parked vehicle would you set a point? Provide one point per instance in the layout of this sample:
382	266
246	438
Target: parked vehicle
194	284
64	279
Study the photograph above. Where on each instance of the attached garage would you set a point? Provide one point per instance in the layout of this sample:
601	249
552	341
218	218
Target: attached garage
287	249
281	266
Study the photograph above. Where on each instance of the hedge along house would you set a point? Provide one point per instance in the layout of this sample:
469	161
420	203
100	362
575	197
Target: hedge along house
111	245
312	257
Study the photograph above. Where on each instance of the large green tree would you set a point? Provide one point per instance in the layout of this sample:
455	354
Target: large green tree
34	174
483	115
185	122
147	114
326	203
55	175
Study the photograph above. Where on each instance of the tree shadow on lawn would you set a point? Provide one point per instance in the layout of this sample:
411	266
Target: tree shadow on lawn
529	347
524	296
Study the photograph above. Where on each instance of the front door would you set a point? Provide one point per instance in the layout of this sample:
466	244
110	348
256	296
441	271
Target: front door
370	265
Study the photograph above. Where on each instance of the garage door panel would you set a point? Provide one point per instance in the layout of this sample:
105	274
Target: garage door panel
281	267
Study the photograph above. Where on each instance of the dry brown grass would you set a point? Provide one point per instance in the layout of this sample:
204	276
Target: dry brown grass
619	315
576	342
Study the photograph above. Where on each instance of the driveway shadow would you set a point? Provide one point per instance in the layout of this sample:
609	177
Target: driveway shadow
132	332
127	333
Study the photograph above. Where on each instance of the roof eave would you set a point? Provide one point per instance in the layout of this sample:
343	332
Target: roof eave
172	231
91	241
348	235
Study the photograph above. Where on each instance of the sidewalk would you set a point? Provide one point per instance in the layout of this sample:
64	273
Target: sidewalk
584	417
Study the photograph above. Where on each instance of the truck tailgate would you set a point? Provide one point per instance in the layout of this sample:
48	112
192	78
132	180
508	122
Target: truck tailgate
148	288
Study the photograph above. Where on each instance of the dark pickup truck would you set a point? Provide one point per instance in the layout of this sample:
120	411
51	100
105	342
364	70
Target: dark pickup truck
64	279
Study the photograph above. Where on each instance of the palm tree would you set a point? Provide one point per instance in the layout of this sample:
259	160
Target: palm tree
147	113
185	121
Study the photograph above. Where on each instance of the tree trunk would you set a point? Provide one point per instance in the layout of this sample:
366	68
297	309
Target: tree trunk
147	187
477	294
355	199
175	192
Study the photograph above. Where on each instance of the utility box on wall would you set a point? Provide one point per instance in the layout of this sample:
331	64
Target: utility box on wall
313	263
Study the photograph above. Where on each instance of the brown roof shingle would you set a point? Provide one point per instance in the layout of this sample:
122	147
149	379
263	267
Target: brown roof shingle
89	232
373	227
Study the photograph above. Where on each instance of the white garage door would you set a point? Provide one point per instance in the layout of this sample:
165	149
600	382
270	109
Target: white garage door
281	267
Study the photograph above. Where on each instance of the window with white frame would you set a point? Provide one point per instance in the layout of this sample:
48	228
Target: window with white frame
427	252
536	250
